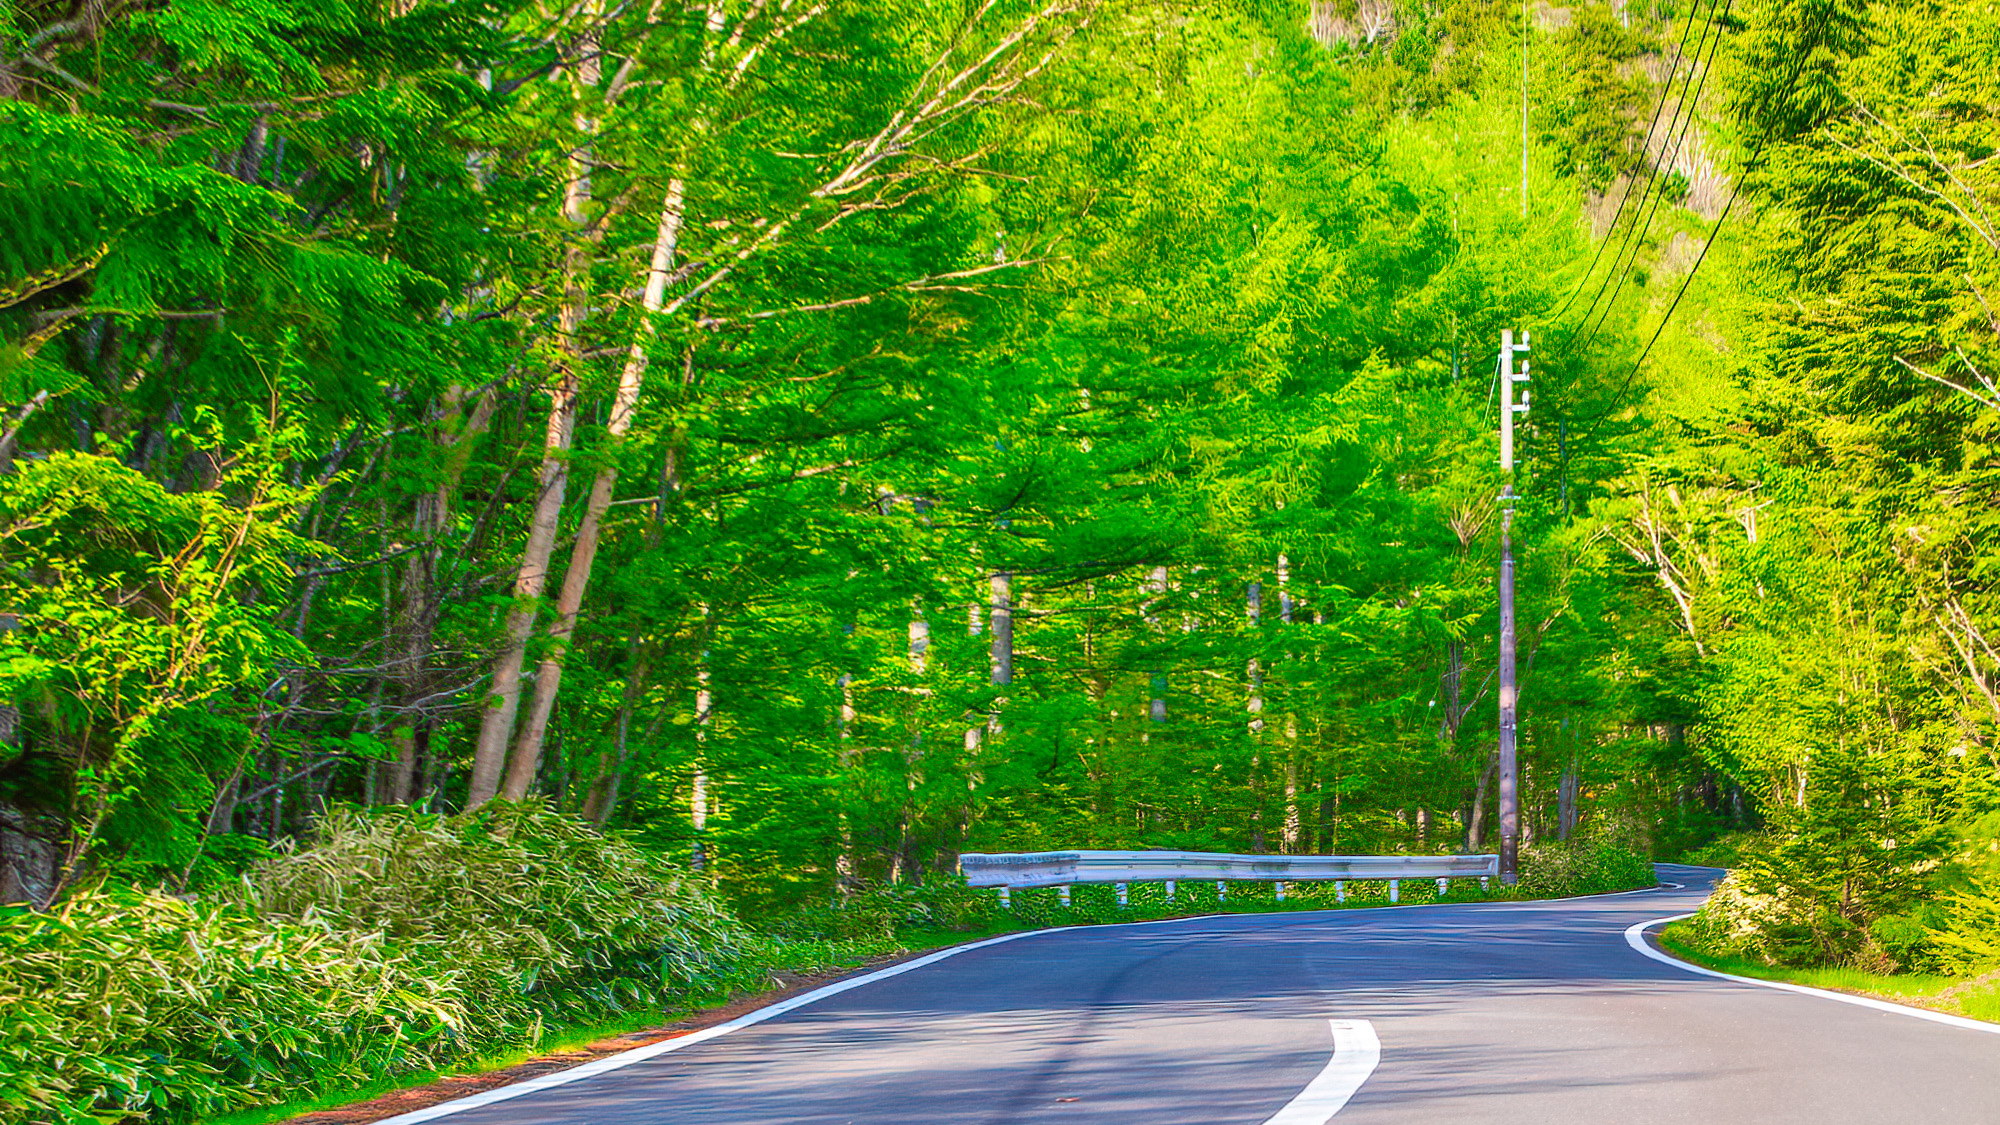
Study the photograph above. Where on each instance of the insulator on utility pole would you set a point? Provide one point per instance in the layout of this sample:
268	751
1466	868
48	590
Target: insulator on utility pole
1509	376
1510	802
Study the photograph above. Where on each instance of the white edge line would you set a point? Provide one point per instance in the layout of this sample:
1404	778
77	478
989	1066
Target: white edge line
641	1054
1635	936
1356	1051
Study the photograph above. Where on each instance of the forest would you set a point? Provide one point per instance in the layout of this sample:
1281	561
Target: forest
678	474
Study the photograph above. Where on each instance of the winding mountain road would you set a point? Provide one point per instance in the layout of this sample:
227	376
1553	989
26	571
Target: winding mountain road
1530	1013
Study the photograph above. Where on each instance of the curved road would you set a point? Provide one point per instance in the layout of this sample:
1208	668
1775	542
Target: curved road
1531	1013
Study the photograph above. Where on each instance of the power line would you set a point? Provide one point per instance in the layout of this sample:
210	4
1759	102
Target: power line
1626	383
1749	166
1645	146
1524	111
1635	234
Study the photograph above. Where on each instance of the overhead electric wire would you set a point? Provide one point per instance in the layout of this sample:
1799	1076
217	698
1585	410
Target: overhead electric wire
1691	89
1652	175
1750	165
1645	146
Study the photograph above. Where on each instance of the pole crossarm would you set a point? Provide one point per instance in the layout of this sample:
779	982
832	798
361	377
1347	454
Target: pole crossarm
1054	869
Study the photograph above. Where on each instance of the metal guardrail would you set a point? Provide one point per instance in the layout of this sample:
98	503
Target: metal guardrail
1055	869
1010	870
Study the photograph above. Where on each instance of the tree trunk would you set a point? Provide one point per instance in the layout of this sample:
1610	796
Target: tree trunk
1454	687
975	624
504	698
1566	794
1290	845
1157	585
1475	826
844	877
419	599
704	713
603	798
527	755
1253	609
497	725
1002	584
1256	802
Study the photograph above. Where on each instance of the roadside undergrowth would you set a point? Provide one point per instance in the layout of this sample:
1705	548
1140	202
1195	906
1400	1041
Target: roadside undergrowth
392	947
1975	997
880	925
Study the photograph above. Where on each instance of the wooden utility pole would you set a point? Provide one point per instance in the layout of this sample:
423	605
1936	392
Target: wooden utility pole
1510	799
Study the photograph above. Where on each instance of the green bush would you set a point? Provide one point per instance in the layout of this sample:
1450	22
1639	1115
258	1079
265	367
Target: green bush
1761	921
125	1002
551	913
880	912
1723	851
1964	932
394	942
1582	867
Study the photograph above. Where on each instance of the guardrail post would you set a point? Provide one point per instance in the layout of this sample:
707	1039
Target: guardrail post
1170	890
1444	887
1395	890
1121	896
1340	892
1280	888
1064	892
1006	898
1220	893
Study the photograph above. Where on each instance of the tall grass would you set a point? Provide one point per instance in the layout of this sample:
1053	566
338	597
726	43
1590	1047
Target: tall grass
393	942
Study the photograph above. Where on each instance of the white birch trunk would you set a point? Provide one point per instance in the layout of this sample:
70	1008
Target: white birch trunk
527	756
1002	587
1253	609
504	698
1290	832
1157	585
704	713
497	724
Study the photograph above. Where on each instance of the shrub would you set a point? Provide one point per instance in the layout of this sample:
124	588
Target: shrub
878	912
1582	867
393	942
123	1002
1965	935
1768	923
1723	851
552	913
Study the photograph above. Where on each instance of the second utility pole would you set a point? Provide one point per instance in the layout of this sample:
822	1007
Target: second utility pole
1509	765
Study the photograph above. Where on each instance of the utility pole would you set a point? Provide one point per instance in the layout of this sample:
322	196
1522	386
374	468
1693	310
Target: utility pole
1510	798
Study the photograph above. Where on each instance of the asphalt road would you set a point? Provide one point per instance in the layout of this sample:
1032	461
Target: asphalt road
1530	1013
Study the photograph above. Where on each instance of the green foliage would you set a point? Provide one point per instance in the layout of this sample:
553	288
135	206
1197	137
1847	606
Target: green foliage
1583	867
1831	565
1722	851
132	609
1181	347
562	914
393	942
123	1002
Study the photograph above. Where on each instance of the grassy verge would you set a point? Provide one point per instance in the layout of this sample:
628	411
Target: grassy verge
851	955
1976	998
